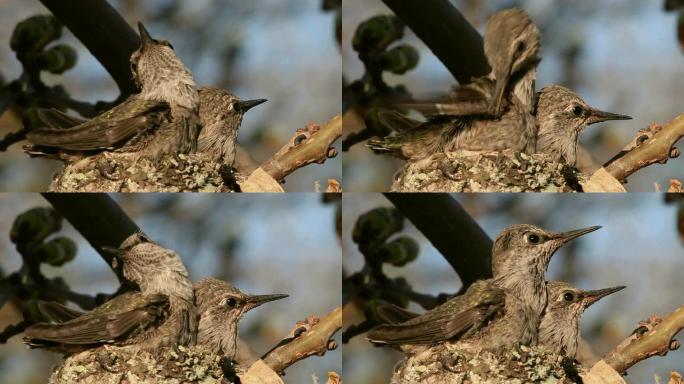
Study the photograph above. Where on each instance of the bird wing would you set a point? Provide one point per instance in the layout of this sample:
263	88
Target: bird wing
393	314
425	329
57	312
100	326
57	119
105	130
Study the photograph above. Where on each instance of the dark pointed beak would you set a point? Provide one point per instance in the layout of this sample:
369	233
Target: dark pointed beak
112	250
590	297
564	237
254	301
145	37
245	105
597	116
496	103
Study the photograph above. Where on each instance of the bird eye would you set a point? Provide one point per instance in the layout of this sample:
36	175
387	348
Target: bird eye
231	302
568	296
521	46
532	238
577	110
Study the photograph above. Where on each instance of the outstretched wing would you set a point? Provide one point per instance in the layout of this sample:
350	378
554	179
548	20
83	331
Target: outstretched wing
127	119
101	326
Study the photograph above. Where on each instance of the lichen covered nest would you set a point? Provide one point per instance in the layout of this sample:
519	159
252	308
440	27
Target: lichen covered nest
462	363
127	365
468	171
118	173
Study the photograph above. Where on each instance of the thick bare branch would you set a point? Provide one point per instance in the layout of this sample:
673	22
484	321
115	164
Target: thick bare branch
654	145
454	41
451	230
97	217
104	32
312	144
315	340
653	337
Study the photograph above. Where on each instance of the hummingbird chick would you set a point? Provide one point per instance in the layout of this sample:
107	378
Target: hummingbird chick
220	306
502	311
221	114
160	315
161	119
560	326
493	113
562	116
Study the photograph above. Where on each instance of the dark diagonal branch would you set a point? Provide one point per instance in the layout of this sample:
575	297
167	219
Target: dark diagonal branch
451	230
97	217
454	41
104	32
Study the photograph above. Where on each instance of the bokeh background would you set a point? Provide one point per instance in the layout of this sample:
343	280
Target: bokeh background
639	246
284	51
262	244
618	55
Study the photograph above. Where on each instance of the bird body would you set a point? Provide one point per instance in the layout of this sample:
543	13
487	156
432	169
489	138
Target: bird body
493	112
503	311
220	115
220	306
559	330
161	314
161	119
562	115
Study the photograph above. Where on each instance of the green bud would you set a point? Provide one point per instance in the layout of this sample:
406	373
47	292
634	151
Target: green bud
30	119
376	225
34	225
377	33
57	59
57	251
373	123
35	33
399	59
398	252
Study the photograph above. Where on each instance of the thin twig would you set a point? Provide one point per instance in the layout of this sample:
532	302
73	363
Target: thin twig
311	145
653	337
315	341
648	149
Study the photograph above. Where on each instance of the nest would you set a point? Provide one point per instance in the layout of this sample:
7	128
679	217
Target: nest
462	363
123	365
108	172
469	171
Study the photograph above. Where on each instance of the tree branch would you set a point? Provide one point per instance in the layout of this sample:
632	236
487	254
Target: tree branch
314	341
653	337
650	146
312	144
451	230
454	41
104	32
97	217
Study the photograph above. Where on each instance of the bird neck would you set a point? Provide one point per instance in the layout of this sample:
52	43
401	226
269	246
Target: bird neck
219	337
525	281
559	335
523	88
557	141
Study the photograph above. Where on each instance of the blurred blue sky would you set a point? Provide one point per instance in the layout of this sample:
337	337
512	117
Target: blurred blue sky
630	62
638	246
285	244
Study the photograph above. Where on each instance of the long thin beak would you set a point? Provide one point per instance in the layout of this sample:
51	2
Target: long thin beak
254	301
113	250
564	237
598	116
245	105
496	104
590	297
145	37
